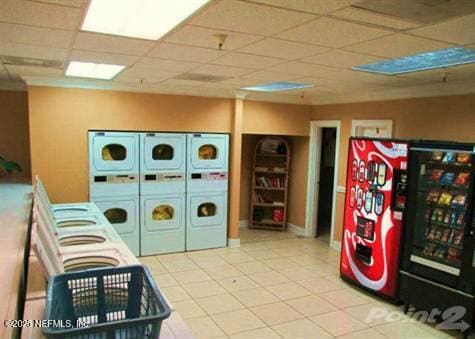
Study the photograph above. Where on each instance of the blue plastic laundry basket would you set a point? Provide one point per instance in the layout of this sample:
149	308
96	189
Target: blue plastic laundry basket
122	302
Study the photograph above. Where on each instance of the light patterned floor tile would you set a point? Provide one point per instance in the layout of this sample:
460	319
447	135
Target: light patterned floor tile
263	254
175	293
269	278
235	258
237	321
188	309
364	334
311	305
338	323
279	263
297	273
192	276
222	272
343	298
180	265
301	329
219	303
239	283
204	328
260	333
255	297
276	313
403	330
207	262
374	314
288	290
204	289
318	285
165	280
252	267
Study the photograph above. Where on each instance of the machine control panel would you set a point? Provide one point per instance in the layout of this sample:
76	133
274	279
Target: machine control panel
163	177
210	176
116	179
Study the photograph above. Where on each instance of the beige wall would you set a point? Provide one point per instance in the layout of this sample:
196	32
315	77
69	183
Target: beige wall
440	118
14	132
60	119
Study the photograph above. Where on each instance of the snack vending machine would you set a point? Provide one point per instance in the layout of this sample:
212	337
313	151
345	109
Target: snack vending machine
376	193
438	265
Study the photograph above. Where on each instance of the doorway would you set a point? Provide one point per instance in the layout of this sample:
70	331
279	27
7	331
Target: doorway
323	164
326	163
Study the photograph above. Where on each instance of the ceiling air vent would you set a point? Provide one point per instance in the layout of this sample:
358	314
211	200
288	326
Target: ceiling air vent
201	77
423	11
19	61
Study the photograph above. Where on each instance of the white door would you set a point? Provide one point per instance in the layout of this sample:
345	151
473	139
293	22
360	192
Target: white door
206	220
372	128
163	224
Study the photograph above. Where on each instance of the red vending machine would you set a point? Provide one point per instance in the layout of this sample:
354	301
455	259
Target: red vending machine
375	201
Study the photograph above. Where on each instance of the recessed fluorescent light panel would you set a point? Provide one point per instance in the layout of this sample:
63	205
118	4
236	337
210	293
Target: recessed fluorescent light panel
92	70
421	62
145	19
277	87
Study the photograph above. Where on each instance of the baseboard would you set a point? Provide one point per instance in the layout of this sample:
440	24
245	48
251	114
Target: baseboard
296	229
244	223
336	245
232	242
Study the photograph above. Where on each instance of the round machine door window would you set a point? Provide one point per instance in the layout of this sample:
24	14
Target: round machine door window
114	152
162	152
208	209
163	212
207	152
116	215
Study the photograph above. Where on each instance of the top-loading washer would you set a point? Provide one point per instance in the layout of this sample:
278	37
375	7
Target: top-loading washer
113	163
207	190
163	185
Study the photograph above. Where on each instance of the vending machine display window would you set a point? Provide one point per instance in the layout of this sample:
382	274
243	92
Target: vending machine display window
365	228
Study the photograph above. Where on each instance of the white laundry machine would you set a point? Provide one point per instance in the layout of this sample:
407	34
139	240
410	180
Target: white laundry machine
114	181
162	190
207	190
123	214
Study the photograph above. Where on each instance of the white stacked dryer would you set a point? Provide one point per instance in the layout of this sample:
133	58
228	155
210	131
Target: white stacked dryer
114	181
207	191
162	192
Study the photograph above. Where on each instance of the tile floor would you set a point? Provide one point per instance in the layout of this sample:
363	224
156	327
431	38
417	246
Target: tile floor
275	285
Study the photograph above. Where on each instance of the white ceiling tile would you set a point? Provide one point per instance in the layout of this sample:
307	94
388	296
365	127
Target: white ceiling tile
136	74
247	60
185	53
271	76
31	70
35	35
39	14
167	65
218	70
30	51
332	33
300	68
397	45
282	49
68	3
454	73
111	44
311	6
249	18
342	59
457	31
204	37
103	58
362	15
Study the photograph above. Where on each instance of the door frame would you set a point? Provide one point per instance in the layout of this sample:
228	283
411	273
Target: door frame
314	155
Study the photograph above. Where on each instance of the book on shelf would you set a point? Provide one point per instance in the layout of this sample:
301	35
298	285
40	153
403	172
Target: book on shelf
270	182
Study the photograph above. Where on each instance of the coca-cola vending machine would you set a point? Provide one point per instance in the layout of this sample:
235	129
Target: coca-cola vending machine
376	193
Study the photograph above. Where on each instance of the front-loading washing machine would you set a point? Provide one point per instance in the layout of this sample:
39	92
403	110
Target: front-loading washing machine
207	190
162	192
114	181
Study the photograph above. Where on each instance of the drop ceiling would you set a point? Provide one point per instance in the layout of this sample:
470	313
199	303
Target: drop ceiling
308	41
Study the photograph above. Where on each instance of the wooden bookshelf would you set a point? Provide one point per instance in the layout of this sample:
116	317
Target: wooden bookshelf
270	181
